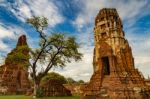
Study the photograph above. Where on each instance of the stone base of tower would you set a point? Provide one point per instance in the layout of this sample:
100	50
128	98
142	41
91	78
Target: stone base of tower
116	86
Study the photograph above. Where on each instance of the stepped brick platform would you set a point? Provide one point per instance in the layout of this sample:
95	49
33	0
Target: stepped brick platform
114	73
14	73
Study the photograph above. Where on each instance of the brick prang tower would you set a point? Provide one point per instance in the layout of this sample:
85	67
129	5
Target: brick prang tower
114	73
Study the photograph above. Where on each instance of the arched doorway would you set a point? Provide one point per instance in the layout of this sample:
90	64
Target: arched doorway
19	80
106	65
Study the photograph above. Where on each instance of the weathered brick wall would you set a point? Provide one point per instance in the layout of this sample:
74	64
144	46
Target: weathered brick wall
55	88
76	89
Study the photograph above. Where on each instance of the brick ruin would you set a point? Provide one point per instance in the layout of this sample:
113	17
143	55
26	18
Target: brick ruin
147	81
54	88
76	89
114	73
14	73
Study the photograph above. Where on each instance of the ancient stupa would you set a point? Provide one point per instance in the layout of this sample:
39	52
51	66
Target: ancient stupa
14	73
114	74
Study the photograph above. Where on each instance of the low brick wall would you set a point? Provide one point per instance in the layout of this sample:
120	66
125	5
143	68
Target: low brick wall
75	88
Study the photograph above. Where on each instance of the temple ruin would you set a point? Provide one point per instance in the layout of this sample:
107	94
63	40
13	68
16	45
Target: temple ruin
53	88
114	74
14	73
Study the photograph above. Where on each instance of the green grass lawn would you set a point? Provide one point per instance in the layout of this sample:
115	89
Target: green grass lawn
29	97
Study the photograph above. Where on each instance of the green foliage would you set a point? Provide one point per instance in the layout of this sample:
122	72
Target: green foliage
57	47
19	56
23	48
40	92
60	78
54	76
38	22
80	82
60	49
71	80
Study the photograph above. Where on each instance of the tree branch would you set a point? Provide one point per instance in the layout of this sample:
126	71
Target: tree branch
50	65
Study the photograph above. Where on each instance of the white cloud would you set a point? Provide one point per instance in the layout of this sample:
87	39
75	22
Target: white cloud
79	22
82	69
5	33
23	10
127	10
9	32
1	1
140	47
3	46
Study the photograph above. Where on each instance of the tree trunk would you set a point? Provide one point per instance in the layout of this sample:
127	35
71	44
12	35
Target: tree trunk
36	87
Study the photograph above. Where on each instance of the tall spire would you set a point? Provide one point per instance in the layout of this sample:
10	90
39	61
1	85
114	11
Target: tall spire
22	41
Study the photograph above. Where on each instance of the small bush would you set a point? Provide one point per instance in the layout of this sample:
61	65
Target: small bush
40	92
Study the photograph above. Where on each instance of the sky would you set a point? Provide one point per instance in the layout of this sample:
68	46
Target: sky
76	18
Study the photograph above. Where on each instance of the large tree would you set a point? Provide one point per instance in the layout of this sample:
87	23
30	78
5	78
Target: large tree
54	50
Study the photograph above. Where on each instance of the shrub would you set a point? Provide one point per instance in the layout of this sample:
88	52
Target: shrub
40	92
